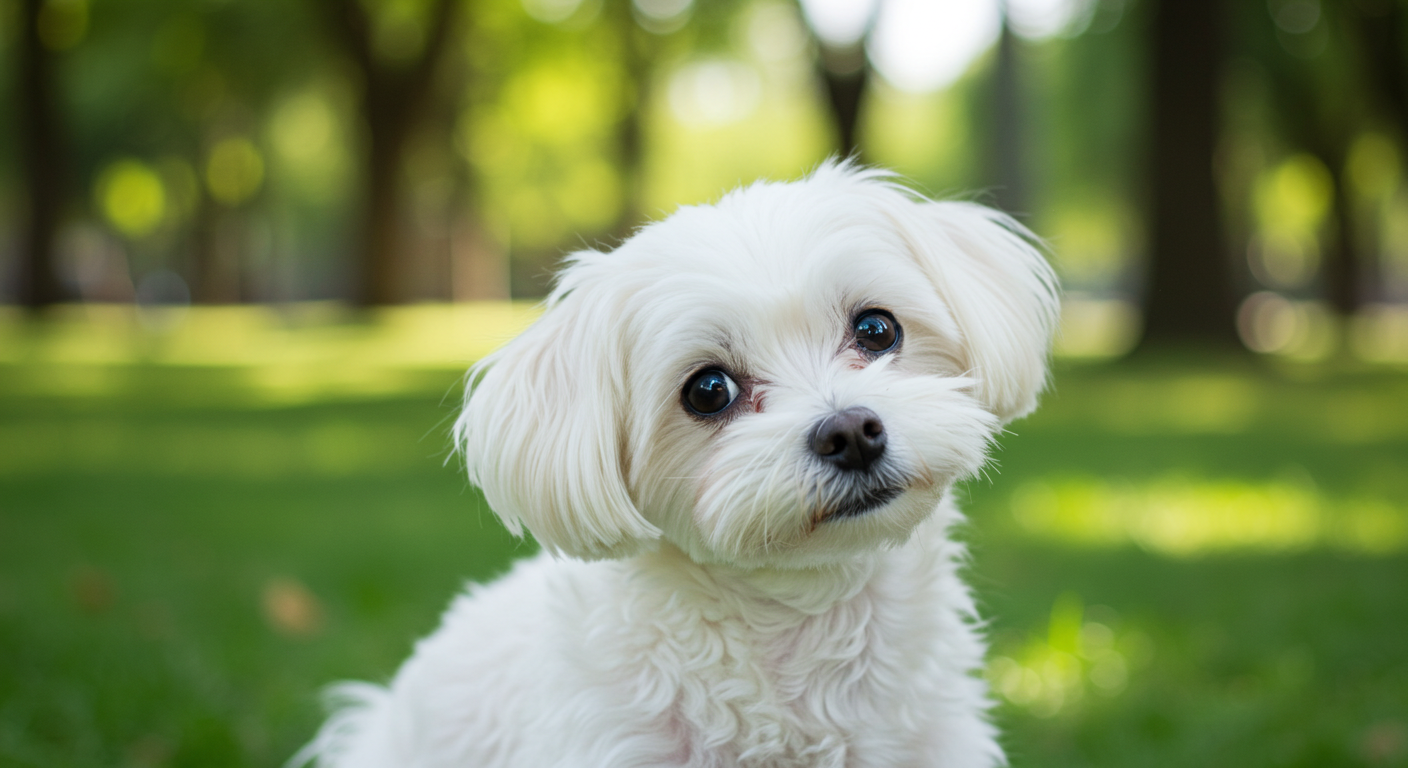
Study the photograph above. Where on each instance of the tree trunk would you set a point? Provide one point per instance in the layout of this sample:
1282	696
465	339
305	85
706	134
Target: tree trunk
394	97
1382	37
630	133
1007	156
1344	272
216	274
845	72
381	240
43	164
1382	41
1189	292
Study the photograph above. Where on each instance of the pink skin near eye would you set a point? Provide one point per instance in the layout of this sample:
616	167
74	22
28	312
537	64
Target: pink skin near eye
855	360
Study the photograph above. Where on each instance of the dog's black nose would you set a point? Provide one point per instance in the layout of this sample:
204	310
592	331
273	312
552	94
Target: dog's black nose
850	439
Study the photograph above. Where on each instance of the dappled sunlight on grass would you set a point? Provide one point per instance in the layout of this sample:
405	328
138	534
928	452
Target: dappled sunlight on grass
1084	651
1320	402
1182	516
419	335
292	353
334	448
1197	404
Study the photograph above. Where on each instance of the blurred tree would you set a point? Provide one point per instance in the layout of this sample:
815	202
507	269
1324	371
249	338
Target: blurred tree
1008	160
1379	30
1382	33
639	49
1189	293
1319	98
43	151
645	46
1334	71
1084	101
844	70
552	129
396	58
175	95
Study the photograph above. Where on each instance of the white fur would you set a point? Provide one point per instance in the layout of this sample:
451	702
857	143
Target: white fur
694	604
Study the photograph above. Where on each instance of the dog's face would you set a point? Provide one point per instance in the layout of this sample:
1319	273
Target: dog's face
787	378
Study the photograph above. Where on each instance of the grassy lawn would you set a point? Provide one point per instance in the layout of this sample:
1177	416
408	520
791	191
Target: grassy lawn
1185	565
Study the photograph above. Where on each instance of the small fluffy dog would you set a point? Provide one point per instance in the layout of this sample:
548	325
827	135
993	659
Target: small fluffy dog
734	437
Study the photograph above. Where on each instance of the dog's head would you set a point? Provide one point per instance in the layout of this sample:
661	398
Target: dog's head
788	377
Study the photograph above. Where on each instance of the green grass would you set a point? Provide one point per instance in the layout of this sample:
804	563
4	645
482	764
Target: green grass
184	563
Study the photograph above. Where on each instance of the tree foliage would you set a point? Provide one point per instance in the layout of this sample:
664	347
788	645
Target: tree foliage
392	150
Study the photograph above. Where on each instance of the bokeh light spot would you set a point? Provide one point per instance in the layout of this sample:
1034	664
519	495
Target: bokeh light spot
924	45
302	127
840	23
1272	324
132	197
714	93
662	16
1096	328
235	171
551	11
1296	16
1280	259
1039	19
1297	193
1373	166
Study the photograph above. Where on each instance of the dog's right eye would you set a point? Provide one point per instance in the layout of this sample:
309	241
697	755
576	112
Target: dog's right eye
876	331
710	392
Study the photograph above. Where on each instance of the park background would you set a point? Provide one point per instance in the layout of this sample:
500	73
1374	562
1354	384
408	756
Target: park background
247	250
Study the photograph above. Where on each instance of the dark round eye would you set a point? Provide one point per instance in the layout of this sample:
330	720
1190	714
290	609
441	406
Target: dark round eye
710	392
877	331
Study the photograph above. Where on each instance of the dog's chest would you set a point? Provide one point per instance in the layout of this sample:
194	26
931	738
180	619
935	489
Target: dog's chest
771	689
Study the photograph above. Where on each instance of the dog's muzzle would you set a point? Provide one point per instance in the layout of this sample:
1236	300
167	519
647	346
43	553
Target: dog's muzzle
853	442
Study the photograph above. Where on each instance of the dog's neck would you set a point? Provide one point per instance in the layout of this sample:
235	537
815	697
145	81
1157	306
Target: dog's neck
806	591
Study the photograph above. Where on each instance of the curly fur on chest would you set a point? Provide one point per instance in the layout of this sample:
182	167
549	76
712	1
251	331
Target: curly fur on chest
656	662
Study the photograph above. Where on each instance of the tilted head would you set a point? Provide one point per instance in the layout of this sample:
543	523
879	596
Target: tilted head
791	376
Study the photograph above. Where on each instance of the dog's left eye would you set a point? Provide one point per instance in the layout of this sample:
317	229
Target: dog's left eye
877	331
710	392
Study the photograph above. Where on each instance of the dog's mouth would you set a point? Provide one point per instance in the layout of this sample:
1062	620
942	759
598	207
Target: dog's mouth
861	502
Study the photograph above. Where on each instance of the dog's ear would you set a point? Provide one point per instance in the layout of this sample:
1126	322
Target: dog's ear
543	425
1002	292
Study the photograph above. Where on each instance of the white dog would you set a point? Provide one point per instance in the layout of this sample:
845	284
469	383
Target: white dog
734	437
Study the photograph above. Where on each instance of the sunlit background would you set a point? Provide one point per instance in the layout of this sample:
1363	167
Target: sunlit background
247	250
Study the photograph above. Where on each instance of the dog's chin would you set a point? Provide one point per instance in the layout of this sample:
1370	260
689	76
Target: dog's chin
842	518
861	502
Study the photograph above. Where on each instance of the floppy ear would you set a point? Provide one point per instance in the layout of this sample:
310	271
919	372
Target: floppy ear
542	426
1002	293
